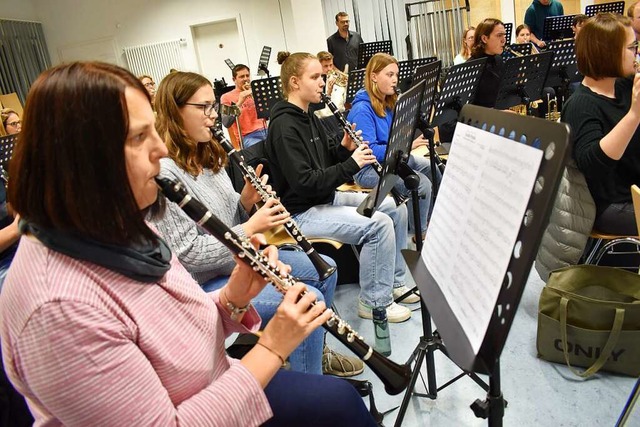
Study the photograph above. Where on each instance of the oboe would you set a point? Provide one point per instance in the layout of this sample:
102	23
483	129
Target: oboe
394	376
357	139
322	267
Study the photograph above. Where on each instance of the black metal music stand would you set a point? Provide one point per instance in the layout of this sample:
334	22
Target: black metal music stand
263	62
458	89
557	27
6	151
564	68
367	50
354	84
430	73
613	7
406	70
478	350
405	118
508	29
628	407
523	80
522	48
266	92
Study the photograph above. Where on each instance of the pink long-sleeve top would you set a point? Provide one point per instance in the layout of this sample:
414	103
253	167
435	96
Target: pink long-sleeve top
88	346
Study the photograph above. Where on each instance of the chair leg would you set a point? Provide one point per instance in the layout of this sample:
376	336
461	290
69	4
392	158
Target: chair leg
593	251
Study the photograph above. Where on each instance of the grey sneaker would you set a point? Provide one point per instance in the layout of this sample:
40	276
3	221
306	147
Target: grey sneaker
337	364
401	290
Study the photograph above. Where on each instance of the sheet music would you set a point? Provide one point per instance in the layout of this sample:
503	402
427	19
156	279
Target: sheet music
475	222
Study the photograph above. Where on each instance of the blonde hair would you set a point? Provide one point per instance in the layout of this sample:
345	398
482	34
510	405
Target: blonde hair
192	156
379	101
465	51
4	114
292	64
324	55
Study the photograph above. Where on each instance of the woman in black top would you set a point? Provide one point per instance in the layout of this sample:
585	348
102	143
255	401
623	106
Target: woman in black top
489	41
604	114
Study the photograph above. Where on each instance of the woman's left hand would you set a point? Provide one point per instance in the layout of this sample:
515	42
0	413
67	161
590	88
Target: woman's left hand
418	142
245	283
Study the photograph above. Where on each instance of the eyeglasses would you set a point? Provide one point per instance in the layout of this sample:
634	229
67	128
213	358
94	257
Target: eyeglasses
633	47
150	84
207	109
15	124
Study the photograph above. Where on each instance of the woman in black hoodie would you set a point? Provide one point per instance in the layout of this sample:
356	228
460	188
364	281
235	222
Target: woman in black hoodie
307	167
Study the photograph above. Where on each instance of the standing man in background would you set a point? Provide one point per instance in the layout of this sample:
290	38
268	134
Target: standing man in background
343	44
535	15
252	129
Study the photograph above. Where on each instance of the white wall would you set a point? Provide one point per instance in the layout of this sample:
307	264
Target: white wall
22	10
133	22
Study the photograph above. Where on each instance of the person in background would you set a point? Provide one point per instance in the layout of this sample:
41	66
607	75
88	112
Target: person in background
536	14
633	12
252	129
465	48
604	115
11	123
100	324
523	36
577	23
344	44
149	85
489	43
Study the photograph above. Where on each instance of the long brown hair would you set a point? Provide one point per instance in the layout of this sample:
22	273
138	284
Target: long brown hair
485	28
600	44
174	92
379	101
465	51
68	171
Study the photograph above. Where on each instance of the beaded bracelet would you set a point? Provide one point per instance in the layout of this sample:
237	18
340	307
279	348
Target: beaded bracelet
272	351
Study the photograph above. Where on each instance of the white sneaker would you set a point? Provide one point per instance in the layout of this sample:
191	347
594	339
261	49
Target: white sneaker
411	298
395	313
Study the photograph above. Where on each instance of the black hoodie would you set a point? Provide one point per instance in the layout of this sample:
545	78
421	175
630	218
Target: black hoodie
306	165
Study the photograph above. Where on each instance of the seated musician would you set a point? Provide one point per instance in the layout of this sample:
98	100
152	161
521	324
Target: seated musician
604	114
101	325
307	167
372	112
489	43
149	85
11	123
184	104
523	36
465	48
577	23
252	129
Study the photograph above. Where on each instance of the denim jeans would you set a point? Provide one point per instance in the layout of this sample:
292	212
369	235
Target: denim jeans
308	356
254	137
382	237
368	178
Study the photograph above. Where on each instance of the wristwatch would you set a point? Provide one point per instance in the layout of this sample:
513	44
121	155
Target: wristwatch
236	311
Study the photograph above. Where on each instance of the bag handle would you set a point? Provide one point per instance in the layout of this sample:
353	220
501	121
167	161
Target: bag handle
608	347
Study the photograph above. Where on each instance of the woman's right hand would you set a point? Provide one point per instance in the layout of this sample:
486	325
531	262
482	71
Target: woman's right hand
363	155
270	215
635	96
295	319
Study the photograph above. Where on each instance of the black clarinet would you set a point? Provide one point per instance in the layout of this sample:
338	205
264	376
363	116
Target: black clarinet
394	376
357	139
322	267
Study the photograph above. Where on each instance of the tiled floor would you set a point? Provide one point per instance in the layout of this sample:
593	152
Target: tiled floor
538	393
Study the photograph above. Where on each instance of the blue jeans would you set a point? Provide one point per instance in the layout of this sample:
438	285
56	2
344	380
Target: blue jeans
308	356
382	235
254	137
311	400
368	178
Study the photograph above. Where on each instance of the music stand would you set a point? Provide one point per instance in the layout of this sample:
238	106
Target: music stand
406	70
354	84
613	7
564	67
475	324
266	92
522	48
523	80
558	27
403	126
229	63
430	74
7	143
367	50
263	62
459	88
508	29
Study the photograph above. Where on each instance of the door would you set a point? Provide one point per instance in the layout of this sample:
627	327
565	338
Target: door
216	41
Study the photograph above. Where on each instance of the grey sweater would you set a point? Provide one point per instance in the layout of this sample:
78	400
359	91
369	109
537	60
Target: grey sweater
199	252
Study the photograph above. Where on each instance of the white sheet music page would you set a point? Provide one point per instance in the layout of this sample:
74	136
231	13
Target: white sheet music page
475	222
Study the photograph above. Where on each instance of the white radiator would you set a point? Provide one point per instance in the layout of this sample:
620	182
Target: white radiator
155	59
